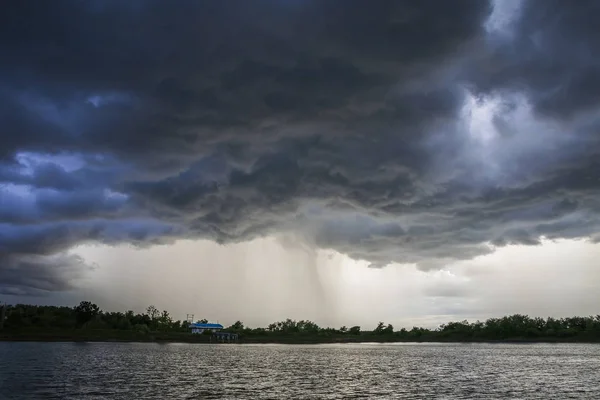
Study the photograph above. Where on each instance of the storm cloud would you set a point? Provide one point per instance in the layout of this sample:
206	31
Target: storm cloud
392	132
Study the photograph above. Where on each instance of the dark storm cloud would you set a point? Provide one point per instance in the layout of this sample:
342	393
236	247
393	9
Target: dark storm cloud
339	120
549	56
34	275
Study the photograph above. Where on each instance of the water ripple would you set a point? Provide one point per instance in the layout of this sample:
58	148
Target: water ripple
355	371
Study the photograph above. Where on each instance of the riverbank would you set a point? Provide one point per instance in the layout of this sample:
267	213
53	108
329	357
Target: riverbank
82	335
92	335
86	322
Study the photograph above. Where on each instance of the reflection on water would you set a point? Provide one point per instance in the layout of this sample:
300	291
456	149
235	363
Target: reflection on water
193	371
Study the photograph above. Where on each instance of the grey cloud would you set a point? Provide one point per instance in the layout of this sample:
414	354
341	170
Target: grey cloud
51	205
448	289
549	56
339	121
50	238
34	275
51	175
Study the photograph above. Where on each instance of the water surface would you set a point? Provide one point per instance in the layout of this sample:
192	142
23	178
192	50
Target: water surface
385	371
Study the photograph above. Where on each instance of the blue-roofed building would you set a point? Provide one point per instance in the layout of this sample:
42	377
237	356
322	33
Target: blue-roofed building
200	328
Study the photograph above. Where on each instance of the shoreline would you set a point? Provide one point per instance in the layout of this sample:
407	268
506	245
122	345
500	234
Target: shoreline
87	323
189	339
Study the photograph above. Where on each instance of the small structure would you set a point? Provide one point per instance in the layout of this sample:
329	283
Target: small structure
201	328
225	337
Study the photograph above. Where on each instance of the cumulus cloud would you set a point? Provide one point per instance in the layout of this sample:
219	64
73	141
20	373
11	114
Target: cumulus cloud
396	131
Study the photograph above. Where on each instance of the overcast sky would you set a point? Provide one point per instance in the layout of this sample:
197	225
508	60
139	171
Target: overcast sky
340	161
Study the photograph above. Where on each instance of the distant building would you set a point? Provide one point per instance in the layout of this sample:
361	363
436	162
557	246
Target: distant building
225	337
200	328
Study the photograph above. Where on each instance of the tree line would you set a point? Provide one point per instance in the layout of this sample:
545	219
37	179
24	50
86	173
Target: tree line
88	316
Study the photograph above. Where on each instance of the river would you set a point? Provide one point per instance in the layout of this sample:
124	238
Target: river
374	371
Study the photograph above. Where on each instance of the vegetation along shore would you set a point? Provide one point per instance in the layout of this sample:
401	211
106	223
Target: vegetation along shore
86	322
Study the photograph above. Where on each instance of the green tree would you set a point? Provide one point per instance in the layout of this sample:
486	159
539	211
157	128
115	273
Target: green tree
237	326
141	328
165	320
152	312
85	312
153	315
355	330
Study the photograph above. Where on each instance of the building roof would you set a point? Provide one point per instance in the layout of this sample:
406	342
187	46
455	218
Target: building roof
206	326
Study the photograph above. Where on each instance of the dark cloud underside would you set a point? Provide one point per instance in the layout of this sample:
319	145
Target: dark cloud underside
345	122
